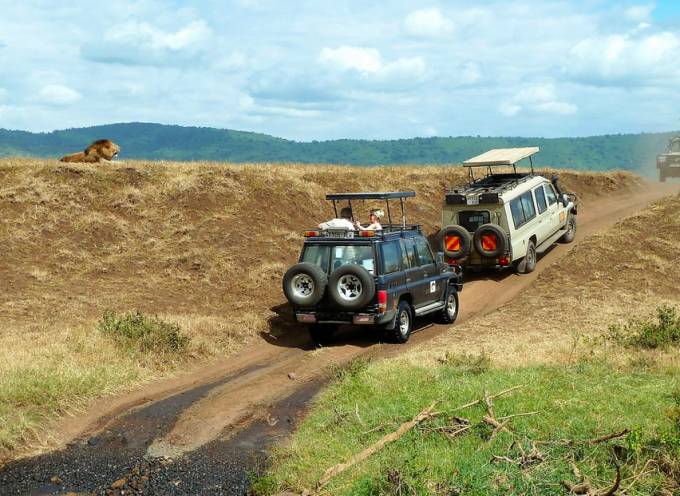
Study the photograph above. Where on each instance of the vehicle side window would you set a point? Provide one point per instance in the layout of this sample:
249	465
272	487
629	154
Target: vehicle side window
540	200
517	212
528	206
391	257
550	192
407	257
424	253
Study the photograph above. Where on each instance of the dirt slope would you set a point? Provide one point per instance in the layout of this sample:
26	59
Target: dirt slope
627	270
200	240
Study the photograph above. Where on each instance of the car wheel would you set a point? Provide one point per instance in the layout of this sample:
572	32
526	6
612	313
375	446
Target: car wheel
450	312
404	323
322	335
304	284
351	287
528	263
569	236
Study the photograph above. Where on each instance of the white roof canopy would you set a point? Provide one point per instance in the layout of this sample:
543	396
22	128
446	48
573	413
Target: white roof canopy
501	156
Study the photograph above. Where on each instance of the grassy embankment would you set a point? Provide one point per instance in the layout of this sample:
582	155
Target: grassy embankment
592	356
200	245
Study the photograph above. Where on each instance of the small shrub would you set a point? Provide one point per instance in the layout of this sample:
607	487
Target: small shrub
145	334
467	363
647	333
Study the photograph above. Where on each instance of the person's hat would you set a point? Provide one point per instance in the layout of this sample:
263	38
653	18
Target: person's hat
378	212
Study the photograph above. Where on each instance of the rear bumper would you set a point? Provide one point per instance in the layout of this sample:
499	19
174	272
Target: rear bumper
351	318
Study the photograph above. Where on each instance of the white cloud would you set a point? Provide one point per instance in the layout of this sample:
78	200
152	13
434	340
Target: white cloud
142	43
626	59
541	98
428	22
369	63
639	13
364	60
58	94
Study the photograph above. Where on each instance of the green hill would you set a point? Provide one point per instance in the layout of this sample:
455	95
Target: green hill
157	141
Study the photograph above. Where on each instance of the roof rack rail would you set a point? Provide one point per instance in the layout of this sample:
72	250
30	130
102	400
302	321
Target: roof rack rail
374	195
501	157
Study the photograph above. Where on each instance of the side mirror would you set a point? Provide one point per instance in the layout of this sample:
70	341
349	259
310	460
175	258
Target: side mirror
439	257
565	200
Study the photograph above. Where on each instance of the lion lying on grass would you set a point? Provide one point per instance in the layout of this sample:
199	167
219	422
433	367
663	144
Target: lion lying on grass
102	150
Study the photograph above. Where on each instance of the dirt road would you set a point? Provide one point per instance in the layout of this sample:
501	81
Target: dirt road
200	432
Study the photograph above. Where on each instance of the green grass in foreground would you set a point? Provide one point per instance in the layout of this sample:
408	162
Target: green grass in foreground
580	402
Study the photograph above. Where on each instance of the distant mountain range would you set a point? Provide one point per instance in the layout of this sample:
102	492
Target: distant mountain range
164	142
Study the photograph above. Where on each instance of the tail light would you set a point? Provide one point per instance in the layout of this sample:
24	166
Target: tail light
382	301
311	234
366	234
489	242
503	261
453	261
452	243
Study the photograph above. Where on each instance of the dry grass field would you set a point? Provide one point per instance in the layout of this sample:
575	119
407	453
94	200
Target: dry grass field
201	244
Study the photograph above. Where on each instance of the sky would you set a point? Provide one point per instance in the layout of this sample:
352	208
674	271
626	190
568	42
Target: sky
329	69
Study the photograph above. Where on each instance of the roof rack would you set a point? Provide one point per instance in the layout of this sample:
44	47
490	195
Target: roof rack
364	233
374	195
502	157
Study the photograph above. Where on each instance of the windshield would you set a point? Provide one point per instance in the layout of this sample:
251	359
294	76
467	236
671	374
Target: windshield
675	146
330	258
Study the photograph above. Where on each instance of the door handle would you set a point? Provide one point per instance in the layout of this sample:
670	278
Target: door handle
408	279
425	274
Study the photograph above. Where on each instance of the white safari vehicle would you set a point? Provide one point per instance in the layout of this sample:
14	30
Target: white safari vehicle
505	220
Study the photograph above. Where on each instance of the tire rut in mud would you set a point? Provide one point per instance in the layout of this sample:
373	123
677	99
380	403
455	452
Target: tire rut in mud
114	461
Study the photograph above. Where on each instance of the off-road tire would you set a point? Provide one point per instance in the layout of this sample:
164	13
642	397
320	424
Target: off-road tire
403	325
351	287
500	240
449	313
304	284
465	241
569	236
322	334
528	263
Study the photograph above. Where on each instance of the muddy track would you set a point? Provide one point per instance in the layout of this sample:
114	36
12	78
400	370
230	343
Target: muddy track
202	433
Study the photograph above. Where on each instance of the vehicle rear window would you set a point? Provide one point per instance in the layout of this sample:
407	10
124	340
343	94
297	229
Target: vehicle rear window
391	257
330	258
424	253
472	219
540	200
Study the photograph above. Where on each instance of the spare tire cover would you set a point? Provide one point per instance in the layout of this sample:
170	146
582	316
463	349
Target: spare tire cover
482	245
304	284
455	241
351	286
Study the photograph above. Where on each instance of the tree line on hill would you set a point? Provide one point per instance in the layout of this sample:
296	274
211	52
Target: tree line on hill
634	152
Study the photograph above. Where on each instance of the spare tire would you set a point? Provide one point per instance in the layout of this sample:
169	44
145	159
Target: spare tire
351	286
304	284
455	241
490	240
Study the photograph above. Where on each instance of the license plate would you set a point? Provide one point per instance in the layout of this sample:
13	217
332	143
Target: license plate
473	200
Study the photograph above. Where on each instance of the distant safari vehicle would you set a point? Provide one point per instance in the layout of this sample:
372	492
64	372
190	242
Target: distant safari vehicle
381	278
505	219
669	163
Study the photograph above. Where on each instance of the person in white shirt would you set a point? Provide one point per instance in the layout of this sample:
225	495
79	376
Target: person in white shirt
344	222
374	221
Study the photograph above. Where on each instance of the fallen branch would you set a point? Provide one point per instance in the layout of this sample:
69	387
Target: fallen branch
389	438
477	402
517	415
597	440
640	474
584	487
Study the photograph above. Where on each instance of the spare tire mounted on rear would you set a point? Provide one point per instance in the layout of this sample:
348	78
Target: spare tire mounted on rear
351	286
304	284
490	240
455	241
